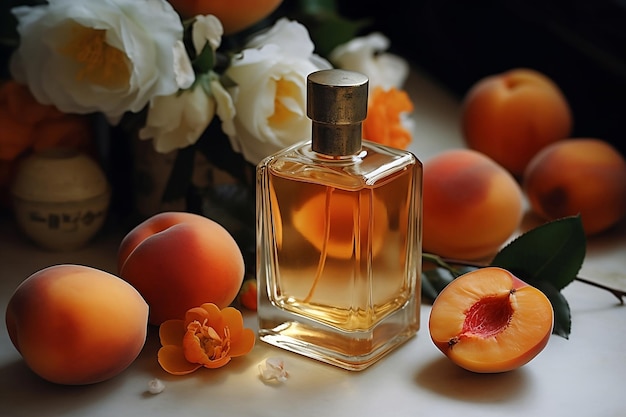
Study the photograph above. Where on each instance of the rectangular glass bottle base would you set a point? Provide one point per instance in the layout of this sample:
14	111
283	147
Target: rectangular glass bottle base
353	350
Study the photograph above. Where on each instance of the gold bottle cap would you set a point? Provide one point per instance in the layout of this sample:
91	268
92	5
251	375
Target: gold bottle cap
337	105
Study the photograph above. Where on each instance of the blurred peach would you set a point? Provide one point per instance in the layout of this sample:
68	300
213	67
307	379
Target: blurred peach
585	176
235	15
25	124
511	116
248	294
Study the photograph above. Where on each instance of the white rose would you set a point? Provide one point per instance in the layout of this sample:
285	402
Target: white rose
366	55
108	56
270	96
178	120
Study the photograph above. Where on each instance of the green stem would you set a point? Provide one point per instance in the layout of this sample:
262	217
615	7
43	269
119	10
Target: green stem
447	263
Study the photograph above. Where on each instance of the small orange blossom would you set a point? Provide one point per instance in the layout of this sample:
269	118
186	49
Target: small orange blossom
26	124
248	294
207	337
383	123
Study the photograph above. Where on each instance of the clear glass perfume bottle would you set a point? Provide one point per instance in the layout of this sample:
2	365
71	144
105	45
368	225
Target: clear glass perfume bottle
339	235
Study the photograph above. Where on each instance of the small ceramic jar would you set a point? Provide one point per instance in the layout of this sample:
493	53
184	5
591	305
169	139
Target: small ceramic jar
60	198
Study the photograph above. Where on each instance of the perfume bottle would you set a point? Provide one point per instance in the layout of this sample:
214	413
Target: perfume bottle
339	235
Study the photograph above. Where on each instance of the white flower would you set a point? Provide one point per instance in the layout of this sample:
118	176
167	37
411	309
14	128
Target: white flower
206	29
108	56
178	120
366	55
270	96
183	70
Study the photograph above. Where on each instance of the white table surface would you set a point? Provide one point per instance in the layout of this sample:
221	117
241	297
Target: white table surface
582	376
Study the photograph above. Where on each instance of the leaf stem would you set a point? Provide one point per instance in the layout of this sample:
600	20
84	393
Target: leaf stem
447	263
619	294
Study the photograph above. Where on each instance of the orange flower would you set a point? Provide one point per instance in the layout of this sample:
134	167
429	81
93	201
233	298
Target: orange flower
26	124
207	337
383	123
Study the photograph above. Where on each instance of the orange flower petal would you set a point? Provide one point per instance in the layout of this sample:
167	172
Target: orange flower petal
195	314
192	347
244	344
171	332
242	340
214	315
217	363
234	320
18	98
15	137
383	123
69	131
172	360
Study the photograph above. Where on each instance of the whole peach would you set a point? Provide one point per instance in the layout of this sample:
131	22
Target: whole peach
235	15
511	116
585	176
471	205
180	260
77	325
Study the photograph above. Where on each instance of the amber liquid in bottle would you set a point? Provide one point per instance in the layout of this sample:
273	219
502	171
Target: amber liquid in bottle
339	252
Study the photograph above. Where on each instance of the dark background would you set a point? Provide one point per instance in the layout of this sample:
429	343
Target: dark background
580	44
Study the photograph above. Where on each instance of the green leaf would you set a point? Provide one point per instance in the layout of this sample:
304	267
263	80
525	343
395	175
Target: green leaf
317	7
327	27
333	31
438	278
549	258
429	293
434	280
553	252
205	61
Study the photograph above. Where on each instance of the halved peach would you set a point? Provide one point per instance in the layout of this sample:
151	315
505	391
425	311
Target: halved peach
490	321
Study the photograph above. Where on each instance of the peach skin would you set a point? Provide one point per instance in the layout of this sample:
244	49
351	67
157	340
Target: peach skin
235	15
471	205
180	260
585	176
511	116
77	325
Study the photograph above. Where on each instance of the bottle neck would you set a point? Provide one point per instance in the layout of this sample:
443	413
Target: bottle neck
336	139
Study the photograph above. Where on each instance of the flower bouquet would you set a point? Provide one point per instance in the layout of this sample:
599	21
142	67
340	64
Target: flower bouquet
212	86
